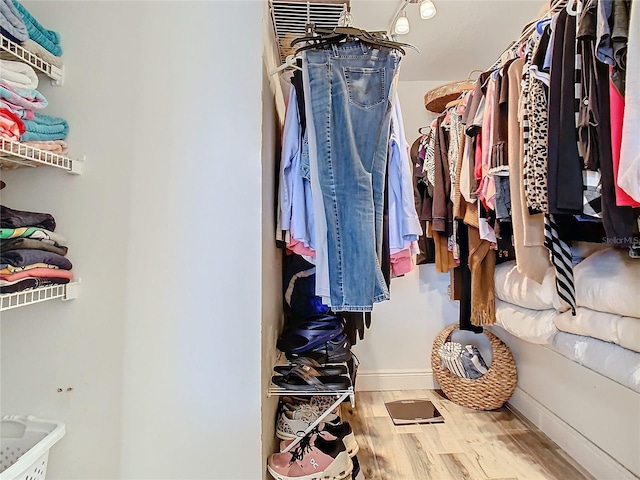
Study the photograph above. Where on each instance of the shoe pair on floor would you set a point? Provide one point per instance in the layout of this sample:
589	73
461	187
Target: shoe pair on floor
325	454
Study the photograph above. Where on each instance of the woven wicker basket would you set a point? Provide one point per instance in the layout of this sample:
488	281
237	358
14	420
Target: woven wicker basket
488	392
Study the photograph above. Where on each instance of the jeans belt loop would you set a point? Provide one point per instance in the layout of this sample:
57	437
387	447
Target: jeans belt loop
364	47
334	47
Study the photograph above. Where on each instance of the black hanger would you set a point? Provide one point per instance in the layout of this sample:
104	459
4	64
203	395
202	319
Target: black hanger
327	36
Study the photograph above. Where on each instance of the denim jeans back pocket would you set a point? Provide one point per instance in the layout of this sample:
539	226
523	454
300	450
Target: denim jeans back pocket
365	86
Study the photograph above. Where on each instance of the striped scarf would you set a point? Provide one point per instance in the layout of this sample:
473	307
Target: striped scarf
561	259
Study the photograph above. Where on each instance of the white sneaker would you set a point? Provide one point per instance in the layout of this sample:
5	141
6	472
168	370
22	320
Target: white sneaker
294	420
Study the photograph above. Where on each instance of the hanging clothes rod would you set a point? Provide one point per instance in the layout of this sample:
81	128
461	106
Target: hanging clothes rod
526	33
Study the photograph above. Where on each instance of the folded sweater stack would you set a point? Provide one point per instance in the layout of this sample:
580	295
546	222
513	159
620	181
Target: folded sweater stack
20	101
31	254
48	39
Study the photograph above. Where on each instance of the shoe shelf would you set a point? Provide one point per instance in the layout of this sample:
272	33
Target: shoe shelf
340	396
65	292
56	74
15	154
276	391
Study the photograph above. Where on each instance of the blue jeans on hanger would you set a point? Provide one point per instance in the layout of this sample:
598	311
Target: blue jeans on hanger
350	90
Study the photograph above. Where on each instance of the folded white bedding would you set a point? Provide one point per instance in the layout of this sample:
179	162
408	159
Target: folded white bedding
535	326
18	74
513	287
623	331
619	364
609	281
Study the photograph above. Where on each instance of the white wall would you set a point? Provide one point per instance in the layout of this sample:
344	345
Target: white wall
414	115
396	351
192	384
163	346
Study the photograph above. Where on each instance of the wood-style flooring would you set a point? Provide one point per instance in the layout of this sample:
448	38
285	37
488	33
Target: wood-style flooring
495	445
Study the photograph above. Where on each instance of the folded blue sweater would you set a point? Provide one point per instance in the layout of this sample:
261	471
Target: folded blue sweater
45	127
47	38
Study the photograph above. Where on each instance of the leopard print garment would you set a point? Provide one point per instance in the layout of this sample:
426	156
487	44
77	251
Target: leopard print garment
535	165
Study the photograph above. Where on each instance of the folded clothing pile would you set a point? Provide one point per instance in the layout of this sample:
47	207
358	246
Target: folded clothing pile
18	74
11	126
20	101
45	128
20	119
31	254
12	24
463	361
48	39
14	27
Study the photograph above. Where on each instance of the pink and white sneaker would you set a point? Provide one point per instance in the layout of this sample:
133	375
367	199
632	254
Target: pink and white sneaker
314	458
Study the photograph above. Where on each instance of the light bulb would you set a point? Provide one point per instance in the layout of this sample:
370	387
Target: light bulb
402	25
427	9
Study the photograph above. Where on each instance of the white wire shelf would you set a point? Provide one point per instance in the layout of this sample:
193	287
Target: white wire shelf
15	154
56	74
275	391
65	292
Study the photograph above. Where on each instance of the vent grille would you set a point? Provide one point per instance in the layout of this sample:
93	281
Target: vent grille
290	19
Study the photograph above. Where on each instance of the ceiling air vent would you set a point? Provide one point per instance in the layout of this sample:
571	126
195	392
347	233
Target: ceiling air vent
290	19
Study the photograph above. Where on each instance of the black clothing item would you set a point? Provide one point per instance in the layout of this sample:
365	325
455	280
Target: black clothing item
506	250
22	258
31	282
564	166
385	263
572	229
30	243
10	218
423	204
589	113
465	279
618	221
296	81
355	325
619	39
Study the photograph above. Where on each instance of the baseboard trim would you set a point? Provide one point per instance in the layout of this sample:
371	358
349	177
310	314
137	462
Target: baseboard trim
385	380
581	449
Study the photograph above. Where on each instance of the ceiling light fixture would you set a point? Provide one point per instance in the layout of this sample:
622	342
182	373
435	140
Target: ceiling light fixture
402	24
427	9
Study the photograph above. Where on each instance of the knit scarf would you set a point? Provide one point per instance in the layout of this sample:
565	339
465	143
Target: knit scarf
482	263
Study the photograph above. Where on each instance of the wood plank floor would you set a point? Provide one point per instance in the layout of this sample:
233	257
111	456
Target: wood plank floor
472	445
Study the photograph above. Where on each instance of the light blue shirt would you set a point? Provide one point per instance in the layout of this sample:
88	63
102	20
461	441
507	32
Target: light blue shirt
404	224
296	203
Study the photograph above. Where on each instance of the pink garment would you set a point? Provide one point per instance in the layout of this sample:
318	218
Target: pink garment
24	114
25	98
54	146
477	168
301	249
39	272
10	125
617	113
402	262
487	188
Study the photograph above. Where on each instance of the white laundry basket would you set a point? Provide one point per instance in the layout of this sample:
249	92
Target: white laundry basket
24	446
